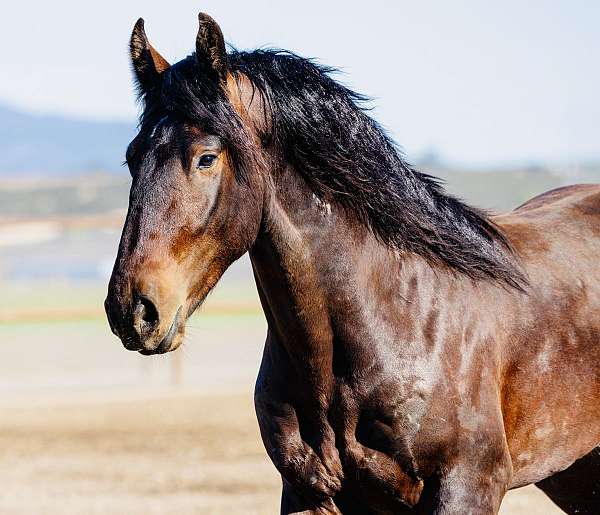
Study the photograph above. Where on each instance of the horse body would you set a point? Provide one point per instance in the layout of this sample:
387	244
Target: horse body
434	370
420	356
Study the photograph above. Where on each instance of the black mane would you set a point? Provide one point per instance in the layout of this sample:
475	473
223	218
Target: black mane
319	127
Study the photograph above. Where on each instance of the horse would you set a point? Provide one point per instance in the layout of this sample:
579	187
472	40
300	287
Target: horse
422	355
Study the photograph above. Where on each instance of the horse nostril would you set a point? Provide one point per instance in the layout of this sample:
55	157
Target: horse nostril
150	314
145	316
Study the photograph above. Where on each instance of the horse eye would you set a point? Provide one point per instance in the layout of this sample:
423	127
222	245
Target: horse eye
206	161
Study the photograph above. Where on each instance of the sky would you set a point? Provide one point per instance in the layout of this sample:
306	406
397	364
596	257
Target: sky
479	82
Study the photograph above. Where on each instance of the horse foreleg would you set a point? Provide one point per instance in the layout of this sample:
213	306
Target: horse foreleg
293	503
298	463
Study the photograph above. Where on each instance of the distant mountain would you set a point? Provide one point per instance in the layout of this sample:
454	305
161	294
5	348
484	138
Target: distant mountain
58	145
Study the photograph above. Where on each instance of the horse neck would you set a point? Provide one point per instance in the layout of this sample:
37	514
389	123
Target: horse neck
321	274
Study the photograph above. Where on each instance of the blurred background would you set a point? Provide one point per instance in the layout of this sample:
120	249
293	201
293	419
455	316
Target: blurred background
499	100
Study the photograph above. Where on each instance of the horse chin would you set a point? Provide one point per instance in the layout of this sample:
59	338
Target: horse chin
164	346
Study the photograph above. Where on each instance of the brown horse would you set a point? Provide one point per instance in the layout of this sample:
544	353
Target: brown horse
420	356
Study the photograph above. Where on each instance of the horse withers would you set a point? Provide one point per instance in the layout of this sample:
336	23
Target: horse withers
421	356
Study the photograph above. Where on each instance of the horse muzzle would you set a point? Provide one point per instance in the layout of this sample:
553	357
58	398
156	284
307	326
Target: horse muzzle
144	327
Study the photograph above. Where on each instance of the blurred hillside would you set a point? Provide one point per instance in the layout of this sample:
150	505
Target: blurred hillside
58	145
501	189
68	228
26	196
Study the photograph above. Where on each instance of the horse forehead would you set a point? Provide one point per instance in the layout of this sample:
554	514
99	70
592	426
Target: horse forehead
157	178
156	147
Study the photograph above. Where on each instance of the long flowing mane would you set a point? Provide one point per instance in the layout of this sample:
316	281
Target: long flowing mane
322	129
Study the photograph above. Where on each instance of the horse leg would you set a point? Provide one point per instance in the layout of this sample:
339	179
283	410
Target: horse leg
577	488
292	503
475	481
470	491
296	461
312	467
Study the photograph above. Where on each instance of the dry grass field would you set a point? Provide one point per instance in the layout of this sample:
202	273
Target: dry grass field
181	453
89	428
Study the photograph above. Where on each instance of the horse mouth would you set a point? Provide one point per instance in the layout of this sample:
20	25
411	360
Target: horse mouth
170	341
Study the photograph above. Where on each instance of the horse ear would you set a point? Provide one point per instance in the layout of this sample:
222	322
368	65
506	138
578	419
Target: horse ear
147	63
210	47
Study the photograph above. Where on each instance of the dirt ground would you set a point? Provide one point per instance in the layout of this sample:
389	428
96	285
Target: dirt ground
87	428
145	454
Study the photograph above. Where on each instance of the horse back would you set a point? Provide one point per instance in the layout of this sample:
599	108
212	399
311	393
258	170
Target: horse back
556	224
